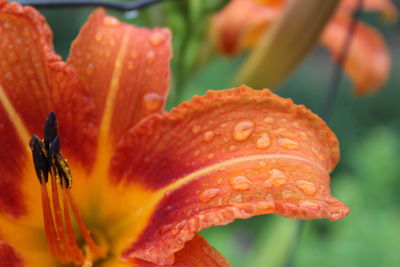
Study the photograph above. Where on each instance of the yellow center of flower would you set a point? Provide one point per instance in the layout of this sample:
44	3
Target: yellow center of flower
60	237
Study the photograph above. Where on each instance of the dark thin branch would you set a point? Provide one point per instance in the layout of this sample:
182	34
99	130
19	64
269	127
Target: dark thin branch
121	6
327	109
333	88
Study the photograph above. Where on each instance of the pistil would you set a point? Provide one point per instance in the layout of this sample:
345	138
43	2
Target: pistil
60	236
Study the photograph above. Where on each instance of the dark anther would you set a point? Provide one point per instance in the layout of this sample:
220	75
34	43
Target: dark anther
39	159
59	164
50	130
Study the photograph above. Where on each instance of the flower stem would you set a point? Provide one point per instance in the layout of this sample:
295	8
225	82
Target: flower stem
334	85
327	110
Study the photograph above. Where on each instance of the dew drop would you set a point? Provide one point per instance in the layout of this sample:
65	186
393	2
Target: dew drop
152	101
157	38
7	75
150	56
243	130
232	148
288	143
111	21
269	120
309	204
89	68
209	194
277	178
130	65
208	136
336	215
236	199
263	141
240	183
98	36
307	187
196	129
286	194
210	156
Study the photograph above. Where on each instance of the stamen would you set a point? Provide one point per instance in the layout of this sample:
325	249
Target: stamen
60	237
77	252
58	218
51	235
85	233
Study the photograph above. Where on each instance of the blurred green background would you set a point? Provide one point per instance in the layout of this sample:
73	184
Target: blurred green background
367	178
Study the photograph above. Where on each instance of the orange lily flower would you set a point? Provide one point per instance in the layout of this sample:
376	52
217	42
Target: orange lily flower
140	182
368	60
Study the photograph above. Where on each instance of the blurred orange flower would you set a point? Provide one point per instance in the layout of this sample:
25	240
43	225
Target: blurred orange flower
241	23
145	181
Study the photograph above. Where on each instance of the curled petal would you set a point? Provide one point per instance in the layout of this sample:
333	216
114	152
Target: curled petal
197	252
386	7
123	64
368	61
230	154
234	29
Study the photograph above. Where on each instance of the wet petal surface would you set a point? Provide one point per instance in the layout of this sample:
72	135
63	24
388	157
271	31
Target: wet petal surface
230	154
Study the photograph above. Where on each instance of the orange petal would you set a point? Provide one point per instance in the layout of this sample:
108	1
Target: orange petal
386	7
241	23
34	81
197	253
230	154
8	257
122	64
368	59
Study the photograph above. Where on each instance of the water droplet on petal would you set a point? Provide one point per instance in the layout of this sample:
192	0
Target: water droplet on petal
208	136
210	156
269	120
262	163
277	178
288	143
243	130
150	56
157	38
98	36
240	183
152	101
209	194
196	129
236	199
307	187
286	194
130	65
263	141
111	21
89	68
232	148
309	204
336	215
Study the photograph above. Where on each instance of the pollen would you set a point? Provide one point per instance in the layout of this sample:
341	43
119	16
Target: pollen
49	162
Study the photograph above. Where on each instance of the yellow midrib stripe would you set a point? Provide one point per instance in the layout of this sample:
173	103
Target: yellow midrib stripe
14	117
113	88
153	201
228	163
